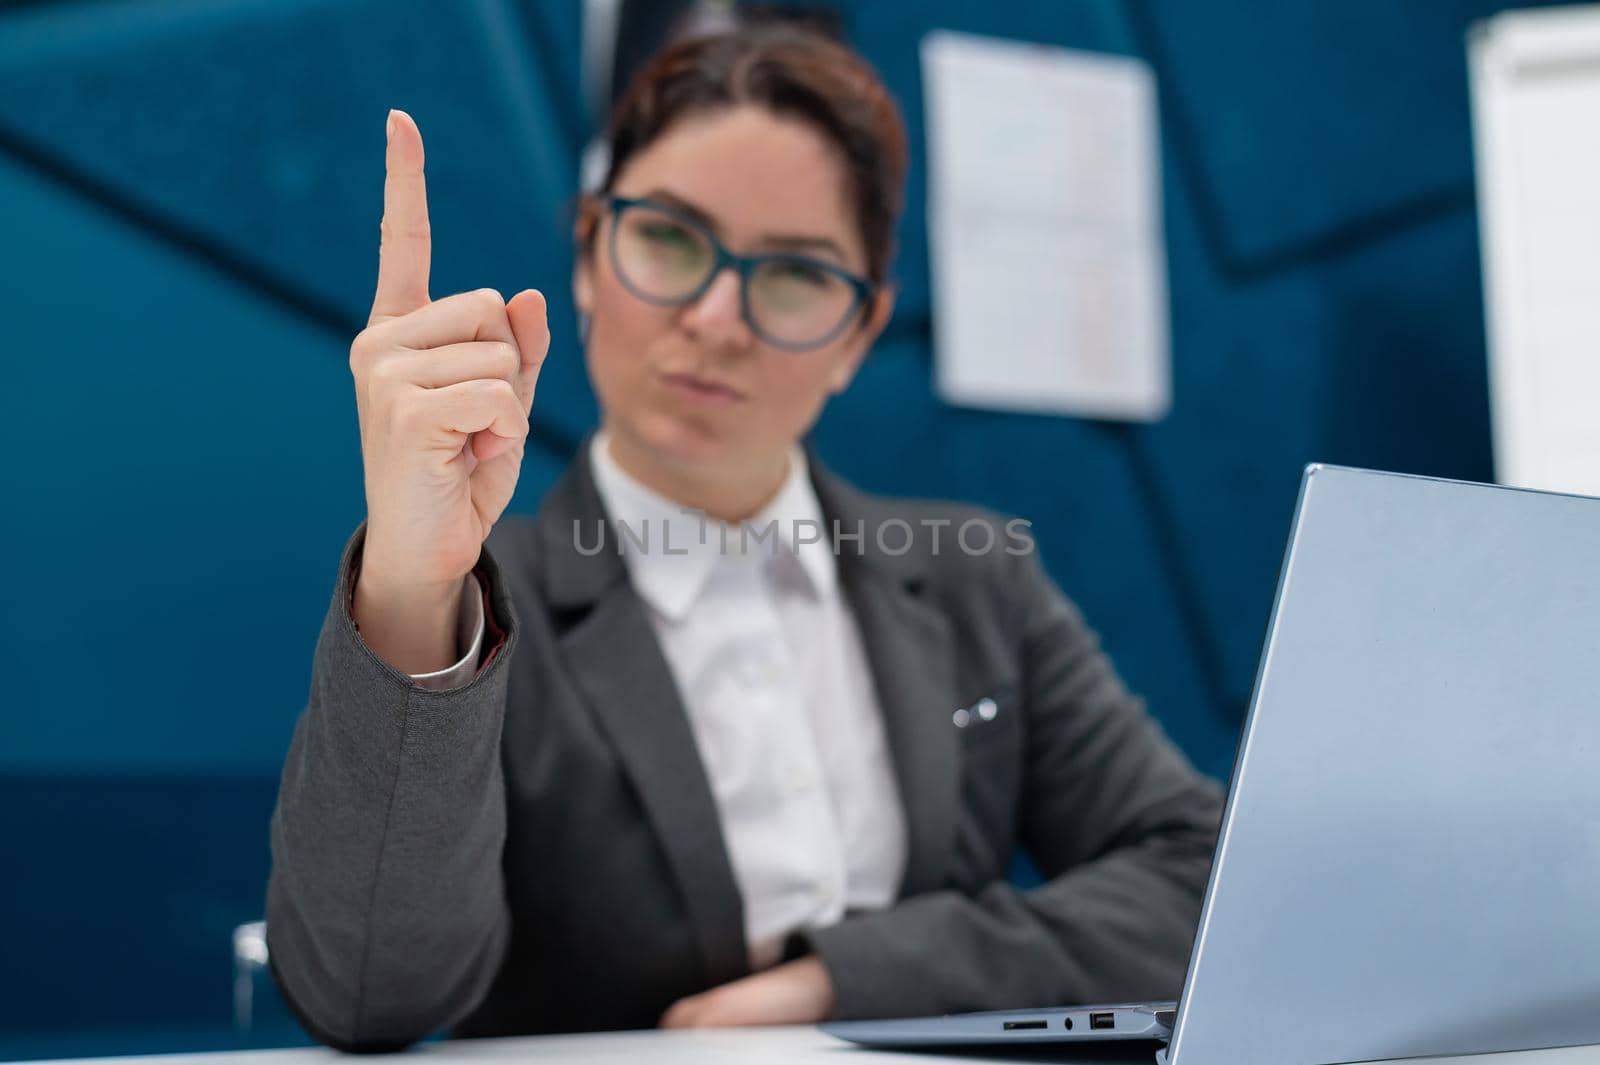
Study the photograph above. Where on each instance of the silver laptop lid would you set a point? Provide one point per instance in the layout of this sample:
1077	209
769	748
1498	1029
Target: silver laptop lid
1410	856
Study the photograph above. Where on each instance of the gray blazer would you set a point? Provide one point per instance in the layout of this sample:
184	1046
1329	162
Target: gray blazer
539	850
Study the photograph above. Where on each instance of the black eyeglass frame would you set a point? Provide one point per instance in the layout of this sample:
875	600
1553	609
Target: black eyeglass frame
745	265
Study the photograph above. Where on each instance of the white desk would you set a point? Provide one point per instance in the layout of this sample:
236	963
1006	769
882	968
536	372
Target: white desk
726	1046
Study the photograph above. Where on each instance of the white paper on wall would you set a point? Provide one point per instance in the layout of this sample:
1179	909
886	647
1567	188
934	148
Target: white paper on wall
1536	131
1044	229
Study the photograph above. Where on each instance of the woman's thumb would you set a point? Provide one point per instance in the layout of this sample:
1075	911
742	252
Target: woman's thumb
531	326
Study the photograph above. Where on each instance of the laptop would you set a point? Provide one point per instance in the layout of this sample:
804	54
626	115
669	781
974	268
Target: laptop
1409	858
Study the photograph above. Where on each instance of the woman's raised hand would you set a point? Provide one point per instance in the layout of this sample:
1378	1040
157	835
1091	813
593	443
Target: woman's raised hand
443	390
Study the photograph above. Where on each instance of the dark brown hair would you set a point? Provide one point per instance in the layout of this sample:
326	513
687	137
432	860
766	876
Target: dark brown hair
791	71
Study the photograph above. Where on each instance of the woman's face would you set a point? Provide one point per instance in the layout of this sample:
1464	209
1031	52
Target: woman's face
764	183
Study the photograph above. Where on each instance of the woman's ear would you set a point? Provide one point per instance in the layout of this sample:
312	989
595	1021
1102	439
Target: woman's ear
583	236
861	341
582	285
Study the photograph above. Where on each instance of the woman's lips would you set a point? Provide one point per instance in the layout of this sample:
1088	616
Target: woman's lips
700	390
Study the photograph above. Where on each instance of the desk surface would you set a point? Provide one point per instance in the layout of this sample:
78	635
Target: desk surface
748	1046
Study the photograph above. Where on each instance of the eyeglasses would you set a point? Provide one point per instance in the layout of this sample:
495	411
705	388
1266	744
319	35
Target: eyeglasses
667	257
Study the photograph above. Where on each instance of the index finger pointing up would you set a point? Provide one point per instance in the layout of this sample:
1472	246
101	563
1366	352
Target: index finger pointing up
406	247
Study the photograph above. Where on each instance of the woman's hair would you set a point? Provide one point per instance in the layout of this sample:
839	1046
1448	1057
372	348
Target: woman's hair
793	72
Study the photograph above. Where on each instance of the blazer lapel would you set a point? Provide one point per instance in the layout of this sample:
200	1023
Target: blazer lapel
613	653
907	640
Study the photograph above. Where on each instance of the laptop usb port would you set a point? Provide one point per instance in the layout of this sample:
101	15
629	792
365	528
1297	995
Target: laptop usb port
1017	1026
1102	1020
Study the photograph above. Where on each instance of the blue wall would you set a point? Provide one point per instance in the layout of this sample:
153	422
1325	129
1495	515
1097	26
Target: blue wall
189	197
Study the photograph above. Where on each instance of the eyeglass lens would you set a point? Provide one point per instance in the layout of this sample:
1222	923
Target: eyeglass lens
666	260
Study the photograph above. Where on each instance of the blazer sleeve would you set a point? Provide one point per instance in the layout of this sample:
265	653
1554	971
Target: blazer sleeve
1114	815
386	908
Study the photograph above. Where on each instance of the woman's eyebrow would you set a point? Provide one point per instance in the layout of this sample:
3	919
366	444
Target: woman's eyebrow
789	242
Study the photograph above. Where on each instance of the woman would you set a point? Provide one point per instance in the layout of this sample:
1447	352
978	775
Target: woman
724	740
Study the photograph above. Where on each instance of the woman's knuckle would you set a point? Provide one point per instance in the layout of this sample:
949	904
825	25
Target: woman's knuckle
383	371
413	229
508	358
361	350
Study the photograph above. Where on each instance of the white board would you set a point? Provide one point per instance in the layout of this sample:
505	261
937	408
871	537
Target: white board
1536	130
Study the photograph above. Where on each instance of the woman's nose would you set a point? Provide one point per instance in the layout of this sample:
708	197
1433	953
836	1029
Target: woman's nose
716	317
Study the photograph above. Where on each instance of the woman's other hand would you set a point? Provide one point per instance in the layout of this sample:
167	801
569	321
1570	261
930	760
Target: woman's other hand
796	992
